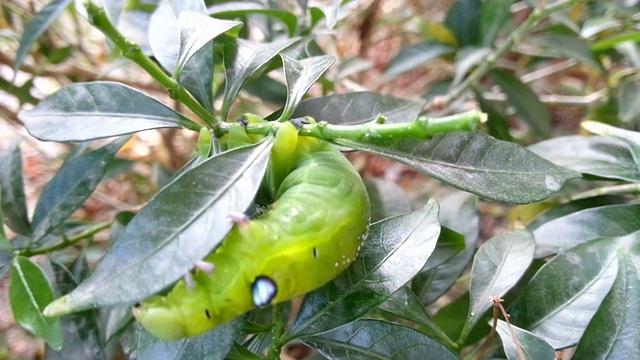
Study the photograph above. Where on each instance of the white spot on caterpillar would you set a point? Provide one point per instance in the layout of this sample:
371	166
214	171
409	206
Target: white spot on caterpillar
238	218
204	266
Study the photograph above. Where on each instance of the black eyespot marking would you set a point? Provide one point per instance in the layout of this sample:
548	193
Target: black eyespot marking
206	312
263	291
315	252
243	121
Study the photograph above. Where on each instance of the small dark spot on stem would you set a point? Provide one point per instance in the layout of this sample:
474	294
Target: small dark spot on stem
315	252
136	305
206	312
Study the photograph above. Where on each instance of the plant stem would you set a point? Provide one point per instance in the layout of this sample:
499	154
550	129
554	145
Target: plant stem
278	329
68	241
518	34
608	190
132	51
422	128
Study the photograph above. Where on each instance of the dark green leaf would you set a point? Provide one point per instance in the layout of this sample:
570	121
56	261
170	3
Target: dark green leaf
567	46
416	56
497	267
629	106
631	138
459	213
394	251
561	298
406	305
164	29
525	101
236	9
601	156
96	110
387	198
573	206
14	204
358	108
464	20
449	244
80	331
29	293
32	31
497	121
533	347
451	319
300	75
197	76
6	259
585	225
475	162
212	345
239	352
495	15
242	59
71	187
375	339
466	58
197	31
192	210
611	333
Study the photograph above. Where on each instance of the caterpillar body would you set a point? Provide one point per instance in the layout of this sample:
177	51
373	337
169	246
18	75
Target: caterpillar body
310	233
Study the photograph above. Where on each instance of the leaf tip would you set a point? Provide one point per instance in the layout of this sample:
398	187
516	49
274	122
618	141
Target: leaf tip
58	307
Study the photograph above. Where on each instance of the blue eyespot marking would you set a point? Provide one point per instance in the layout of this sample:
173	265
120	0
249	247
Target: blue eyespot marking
263	291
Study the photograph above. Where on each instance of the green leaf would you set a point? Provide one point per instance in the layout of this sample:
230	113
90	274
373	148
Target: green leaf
631	138
96	110
416	56
568	46
242	59
474	162
459	213
29	293
32	31
629	106
4	241
611	332
71	187
394	251
525	101
612	42
601	156
192	210
81	333
533	347
406	305
466	58
239	352
196	31
585	225
212	345
238	9
386	197
300	75
561	210
197	76
497	267
14	204
449	244
559	301
495	15
376	339
497	121
358	108
164	29
464	20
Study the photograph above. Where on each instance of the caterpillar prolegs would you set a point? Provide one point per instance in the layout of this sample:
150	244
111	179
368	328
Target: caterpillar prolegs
308	235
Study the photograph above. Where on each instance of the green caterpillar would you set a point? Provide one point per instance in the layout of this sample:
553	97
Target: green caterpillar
310	233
